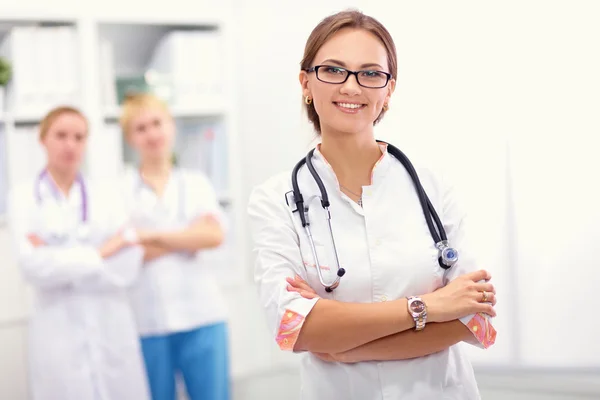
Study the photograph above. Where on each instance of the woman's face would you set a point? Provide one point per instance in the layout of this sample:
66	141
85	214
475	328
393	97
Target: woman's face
65	142
349	107
151	134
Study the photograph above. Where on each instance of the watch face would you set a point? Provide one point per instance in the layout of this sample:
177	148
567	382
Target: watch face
417	306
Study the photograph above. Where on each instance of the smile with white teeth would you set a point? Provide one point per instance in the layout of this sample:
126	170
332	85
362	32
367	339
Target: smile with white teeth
349	105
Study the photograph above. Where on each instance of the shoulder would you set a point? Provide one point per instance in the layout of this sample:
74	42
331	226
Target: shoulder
432	175
128	178
273	190
196	178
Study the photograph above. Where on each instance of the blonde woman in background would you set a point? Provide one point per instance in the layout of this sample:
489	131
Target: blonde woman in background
180	311
74	249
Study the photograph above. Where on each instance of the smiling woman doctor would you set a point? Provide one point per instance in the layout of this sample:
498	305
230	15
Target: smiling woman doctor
381	313
74	249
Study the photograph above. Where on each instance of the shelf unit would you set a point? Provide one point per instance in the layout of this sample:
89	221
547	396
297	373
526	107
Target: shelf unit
133	38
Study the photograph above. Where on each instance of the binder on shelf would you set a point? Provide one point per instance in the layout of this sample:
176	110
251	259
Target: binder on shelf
202	145
192	63
45	68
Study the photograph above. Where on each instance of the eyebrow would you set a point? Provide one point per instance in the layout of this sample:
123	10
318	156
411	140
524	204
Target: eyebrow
341	63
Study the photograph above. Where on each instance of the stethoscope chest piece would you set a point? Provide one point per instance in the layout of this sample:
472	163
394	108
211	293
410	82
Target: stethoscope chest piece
448	256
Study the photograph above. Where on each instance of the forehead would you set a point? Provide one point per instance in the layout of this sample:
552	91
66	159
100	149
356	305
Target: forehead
68	121
147	114
353	47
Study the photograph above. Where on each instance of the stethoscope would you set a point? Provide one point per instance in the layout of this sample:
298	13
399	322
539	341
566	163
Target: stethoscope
82	229
447	256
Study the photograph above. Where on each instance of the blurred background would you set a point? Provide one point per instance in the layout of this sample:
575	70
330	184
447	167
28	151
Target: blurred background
504	96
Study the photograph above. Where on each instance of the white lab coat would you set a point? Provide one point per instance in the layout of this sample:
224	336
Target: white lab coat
83	343
178	291
388	253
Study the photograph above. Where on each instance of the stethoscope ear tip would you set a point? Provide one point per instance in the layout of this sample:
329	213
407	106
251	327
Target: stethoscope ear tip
341	272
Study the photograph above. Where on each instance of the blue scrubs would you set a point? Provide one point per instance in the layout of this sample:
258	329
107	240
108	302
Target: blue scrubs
200	355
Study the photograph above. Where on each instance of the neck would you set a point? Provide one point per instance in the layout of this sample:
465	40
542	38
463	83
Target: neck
352	157
61	178
156	168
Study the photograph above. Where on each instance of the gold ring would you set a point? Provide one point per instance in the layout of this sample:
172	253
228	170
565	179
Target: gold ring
485	297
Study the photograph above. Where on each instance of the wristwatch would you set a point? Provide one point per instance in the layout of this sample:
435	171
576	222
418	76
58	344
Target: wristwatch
418	310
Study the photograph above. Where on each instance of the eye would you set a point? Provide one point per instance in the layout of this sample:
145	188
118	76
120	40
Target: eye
371	74
334	70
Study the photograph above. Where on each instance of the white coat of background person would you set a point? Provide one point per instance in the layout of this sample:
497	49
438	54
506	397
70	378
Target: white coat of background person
180	310
72	247
393	325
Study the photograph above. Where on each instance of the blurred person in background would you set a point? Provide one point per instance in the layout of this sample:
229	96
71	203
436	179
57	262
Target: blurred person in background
360	287
180	311
74	248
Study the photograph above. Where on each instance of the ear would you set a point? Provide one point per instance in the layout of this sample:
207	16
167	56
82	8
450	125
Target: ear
304	83
390	90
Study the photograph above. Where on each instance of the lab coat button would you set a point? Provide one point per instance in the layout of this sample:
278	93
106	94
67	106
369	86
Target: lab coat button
384	298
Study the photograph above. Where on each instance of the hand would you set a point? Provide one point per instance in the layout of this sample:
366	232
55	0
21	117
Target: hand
345	357
461	297
35	240
113	245
147	237
298	285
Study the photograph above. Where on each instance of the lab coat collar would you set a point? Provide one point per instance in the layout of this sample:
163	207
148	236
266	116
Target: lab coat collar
378	173
49	191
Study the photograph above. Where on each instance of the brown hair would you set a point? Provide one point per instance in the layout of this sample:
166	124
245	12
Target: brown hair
330	26
53	115
136	102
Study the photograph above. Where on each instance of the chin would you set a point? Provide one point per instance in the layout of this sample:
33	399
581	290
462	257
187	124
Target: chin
351	127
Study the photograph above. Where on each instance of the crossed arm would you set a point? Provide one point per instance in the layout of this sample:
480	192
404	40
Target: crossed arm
404	344
205	232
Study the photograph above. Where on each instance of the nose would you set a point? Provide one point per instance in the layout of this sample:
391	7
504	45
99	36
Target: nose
154	132
351	86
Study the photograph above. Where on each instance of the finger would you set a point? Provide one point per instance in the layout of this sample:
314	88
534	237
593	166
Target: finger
479	275
484	287
487	309
487	297
299	278
304	293
324	356
301	283
295	284
307	294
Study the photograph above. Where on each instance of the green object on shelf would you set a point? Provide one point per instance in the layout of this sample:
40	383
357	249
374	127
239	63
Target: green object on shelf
129	85
5	71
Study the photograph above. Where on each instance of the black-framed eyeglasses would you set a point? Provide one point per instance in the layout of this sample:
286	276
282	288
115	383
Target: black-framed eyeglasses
369	78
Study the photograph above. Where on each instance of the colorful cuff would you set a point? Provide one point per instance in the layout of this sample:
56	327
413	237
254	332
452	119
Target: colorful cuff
289	329
482	330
